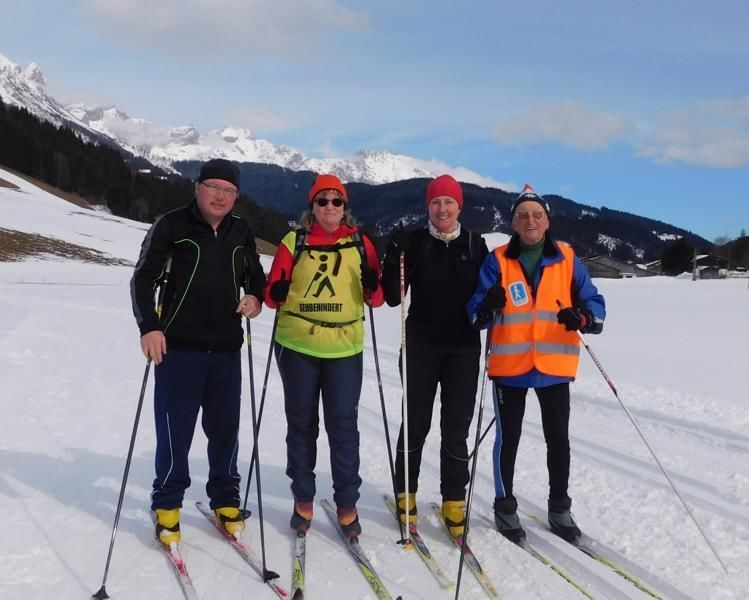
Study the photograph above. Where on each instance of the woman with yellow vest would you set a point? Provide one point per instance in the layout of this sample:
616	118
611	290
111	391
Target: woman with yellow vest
322	275
537	295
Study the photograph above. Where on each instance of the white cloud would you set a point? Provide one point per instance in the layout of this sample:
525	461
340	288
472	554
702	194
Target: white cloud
258	119
712	134
210	28
464	174
327	150
569	123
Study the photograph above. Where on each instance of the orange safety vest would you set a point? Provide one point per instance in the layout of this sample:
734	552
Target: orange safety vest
526	334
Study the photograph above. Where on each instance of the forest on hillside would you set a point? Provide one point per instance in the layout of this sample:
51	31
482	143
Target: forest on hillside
105	176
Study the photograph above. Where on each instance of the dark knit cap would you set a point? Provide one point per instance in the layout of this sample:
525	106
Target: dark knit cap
219	168
529	193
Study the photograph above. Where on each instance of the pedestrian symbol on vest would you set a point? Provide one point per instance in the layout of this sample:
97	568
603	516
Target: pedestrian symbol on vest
518	293
325	282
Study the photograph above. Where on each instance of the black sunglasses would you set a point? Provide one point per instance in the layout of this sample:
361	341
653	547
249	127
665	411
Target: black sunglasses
335	202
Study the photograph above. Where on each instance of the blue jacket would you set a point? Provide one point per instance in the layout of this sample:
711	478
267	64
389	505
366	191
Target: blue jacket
584	294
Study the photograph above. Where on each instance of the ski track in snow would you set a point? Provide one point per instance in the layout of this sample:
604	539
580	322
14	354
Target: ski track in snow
50	475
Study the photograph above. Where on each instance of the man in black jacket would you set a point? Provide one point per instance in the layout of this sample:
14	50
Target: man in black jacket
196	343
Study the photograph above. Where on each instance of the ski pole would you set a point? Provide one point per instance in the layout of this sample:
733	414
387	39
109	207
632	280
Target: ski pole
475	455
384	418
102	593
267	575
649	447
262	405
483	435
404	406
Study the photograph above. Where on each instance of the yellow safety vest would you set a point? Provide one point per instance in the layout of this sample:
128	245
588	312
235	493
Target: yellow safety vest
324	310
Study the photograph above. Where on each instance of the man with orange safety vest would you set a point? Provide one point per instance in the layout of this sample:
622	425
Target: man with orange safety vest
536	294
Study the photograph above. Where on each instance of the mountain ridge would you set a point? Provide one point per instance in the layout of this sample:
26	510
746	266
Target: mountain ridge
388	187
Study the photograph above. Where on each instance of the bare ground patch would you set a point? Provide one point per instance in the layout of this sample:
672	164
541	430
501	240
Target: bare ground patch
68	196
266	248
18	245
7	184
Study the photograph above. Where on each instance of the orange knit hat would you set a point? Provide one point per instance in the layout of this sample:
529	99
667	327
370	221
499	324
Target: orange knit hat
326	182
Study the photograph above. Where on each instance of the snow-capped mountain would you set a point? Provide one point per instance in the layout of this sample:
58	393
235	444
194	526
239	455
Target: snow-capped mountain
164	145
27	88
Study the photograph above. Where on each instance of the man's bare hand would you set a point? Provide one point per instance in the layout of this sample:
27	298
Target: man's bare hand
153	345
249	306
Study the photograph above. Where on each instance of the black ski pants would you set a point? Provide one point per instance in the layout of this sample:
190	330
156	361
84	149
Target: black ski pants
509	406
455	369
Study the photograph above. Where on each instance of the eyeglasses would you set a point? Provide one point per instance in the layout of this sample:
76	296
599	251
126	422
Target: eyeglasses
220	191
536	214
337	202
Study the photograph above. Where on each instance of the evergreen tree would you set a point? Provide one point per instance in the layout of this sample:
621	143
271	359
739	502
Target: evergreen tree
677	257
103	176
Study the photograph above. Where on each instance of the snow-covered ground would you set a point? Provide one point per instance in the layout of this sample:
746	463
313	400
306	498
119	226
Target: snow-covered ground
70	373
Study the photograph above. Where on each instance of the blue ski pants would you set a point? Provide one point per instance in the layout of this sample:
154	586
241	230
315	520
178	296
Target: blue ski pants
186	382
338	380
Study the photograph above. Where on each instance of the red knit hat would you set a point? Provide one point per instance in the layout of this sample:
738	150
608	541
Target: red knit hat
327	182
445	185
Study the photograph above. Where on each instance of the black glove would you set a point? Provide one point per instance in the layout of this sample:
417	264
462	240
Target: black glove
369	279
280	289
399	242
574	319
494	300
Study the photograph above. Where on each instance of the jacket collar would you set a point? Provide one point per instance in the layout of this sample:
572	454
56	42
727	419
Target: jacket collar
337	234
550	252
198	216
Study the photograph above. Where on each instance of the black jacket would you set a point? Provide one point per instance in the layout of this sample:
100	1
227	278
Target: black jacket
203	288
442	277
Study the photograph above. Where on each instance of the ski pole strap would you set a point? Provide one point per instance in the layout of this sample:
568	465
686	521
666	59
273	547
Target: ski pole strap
162	286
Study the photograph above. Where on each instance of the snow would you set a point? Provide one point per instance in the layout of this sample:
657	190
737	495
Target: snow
607	241
70	375
666	236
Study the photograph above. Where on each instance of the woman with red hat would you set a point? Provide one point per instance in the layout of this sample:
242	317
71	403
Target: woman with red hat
442	262
322	276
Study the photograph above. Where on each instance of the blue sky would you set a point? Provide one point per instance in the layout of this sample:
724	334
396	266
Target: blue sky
636	105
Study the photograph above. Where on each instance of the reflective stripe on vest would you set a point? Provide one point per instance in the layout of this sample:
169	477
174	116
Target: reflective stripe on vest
526	334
